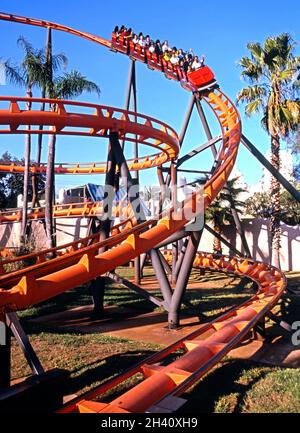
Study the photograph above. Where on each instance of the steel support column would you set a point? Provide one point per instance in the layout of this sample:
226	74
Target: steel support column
97	286
184	128
166	265
175	237
234	212
125	174
143	293
131	91
143	258
181	257
14	325
174	205
163	187
278	176
223	240
198	150
108	197
127	178
187	120
161	277
97	290
183	278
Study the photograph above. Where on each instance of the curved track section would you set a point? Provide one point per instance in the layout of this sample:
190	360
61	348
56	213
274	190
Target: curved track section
48	24
131	243
86	210
131	126
134	164
161	385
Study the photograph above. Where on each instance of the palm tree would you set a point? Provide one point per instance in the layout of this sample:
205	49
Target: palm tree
272	71
219	211
33	74
69	85
52	63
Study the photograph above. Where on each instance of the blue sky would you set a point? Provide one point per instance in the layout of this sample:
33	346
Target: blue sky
218	29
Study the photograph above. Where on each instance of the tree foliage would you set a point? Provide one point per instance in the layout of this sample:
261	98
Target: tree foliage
260	204
11	184
273	73
219	212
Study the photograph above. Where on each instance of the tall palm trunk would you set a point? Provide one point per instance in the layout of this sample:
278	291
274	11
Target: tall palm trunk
35	176
275	197
50	192
217	246
26	173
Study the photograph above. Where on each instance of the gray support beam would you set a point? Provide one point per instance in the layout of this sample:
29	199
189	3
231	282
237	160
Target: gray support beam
134	100
161	278
174	205
205	124
238	225
258	155
143	262
143	293
14	325
108	199
184	128
198	150
174	262
97	286
131	90
187	120
181	257
183	278
97	290
129	85
126	176
234	212
165	264
175	237
135	201
163	187
223	240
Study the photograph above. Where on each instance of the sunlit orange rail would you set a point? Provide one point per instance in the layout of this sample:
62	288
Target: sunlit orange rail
83	210
161	385
133	127
131	242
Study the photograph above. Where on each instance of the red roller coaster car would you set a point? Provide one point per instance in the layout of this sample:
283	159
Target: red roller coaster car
202	78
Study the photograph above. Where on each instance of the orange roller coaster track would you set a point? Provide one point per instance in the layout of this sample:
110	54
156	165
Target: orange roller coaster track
161	385
133	127
135	241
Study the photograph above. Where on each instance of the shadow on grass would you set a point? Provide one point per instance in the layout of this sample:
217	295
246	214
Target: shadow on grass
100	371
221	382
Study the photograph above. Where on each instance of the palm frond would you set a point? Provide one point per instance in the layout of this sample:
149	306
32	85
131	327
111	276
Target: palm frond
254	107
25	45
13	73
251	94
252	69
73	84
256	50
59	61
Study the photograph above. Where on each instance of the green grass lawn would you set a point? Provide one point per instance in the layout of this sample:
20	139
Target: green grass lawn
232	386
